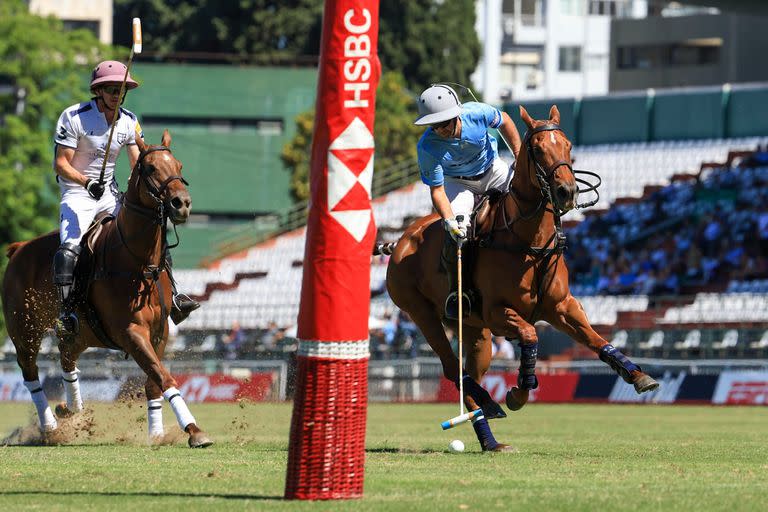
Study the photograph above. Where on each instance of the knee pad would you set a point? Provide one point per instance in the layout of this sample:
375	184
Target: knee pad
64	262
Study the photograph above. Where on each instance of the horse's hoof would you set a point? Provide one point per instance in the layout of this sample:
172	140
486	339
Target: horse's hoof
503	448
516	398
62	411
644	383
199	440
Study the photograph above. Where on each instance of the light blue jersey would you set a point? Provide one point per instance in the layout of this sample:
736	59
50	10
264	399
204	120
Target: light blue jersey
469	155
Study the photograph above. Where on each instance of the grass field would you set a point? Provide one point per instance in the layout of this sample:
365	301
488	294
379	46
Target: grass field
572	457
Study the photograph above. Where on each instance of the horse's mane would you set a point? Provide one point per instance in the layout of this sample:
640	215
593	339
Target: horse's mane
15	246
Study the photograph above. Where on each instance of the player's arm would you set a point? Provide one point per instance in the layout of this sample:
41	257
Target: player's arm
63	165
440	201
133	154
508	130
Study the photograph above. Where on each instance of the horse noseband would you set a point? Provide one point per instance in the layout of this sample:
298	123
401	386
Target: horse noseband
542	174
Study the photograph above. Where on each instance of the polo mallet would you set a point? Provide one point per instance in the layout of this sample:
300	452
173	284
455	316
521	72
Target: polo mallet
462	417
135	48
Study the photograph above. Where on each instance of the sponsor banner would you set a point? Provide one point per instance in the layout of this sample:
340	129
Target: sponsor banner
742	388
559	387
224	388
594	388
697	388
91	389
12	388
666	393
675	388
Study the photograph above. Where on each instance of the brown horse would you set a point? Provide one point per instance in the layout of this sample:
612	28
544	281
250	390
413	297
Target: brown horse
123	281
519	271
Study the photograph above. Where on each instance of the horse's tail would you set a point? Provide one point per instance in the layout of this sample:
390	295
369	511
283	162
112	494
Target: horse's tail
15	246
385	248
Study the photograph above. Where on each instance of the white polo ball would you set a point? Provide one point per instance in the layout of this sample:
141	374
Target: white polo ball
456	446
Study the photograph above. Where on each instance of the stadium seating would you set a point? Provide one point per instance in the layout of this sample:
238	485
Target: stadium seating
256	301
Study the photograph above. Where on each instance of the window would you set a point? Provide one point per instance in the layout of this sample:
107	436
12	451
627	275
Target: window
92	25
688	53
613	8
572	7
531	12
570	58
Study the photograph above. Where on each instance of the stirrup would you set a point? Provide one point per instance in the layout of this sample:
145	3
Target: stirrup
182	307
452	306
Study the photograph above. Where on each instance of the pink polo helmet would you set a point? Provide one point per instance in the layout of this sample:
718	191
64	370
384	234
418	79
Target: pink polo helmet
111	71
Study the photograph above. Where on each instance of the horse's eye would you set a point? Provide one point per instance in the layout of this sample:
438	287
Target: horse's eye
537	150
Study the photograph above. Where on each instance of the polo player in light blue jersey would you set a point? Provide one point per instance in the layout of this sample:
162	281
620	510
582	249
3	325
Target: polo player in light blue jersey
459	159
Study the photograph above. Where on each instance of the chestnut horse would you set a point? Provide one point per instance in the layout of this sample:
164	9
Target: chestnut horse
519	271
125	290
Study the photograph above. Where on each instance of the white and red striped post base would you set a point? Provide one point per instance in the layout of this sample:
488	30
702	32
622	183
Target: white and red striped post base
326	458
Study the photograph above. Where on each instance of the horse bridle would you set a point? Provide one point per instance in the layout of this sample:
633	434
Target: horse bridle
146	174
155	191
157	214
543	175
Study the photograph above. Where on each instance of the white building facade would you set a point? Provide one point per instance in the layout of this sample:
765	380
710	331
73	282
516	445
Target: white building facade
535	49
94	15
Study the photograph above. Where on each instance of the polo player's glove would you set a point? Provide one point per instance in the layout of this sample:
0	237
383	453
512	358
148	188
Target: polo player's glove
456	228
94	188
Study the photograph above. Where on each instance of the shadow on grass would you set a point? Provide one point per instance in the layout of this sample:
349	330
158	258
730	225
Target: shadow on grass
145	494
409	451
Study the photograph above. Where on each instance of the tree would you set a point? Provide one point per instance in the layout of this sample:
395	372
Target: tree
425	40
394	132
429	40
422	41
253	30
42	67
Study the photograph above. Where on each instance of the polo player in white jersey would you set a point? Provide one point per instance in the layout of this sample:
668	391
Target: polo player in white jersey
81	136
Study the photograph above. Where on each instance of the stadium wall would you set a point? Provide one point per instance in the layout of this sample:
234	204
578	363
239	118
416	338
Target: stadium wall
229	125
738	110
680	385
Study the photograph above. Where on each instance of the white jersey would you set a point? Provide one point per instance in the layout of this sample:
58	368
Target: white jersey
86	130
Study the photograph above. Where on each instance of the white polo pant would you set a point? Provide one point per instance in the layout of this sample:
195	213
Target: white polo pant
78	209
461	193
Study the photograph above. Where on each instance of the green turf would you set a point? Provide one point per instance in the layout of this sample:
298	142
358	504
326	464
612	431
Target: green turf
572	457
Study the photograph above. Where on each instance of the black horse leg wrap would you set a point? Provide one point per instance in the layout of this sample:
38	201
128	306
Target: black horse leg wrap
526	376
620	363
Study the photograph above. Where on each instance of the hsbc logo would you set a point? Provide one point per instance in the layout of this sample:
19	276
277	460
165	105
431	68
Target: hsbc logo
350	173
350	154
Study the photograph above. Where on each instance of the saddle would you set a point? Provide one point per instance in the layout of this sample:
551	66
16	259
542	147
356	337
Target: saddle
481	224
84	273
84	269
484	214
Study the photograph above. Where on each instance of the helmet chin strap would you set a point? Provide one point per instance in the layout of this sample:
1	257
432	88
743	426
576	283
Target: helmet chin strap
456	129
105	106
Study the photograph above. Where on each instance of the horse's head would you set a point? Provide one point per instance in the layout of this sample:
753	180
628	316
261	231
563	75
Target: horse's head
548	154
158	180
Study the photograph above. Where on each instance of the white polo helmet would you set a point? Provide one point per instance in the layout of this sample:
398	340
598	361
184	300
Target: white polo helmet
437	104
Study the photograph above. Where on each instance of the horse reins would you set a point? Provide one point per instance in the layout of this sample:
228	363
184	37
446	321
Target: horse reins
545	252
157	215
